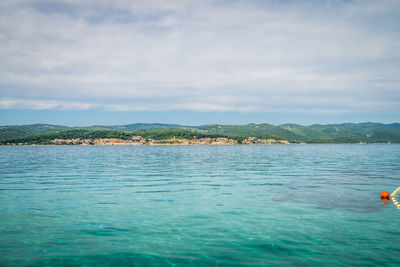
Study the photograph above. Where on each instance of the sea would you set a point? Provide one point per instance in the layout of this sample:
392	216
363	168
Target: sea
241	205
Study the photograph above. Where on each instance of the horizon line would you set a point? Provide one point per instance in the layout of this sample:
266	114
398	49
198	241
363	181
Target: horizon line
198	125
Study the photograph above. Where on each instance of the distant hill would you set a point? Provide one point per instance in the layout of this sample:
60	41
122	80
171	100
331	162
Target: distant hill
368	132
156	134
16	131
394	125
263	130
353	132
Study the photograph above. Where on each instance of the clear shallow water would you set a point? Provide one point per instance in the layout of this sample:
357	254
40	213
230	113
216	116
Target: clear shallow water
199	205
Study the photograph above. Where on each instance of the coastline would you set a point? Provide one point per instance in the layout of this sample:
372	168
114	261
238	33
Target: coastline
155	144
138	141
363	133
296	144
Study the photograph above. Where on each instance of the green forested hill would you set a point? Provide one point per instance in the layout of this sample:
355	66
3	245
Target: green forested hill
262	130
15	131
156	134
353	132
332	133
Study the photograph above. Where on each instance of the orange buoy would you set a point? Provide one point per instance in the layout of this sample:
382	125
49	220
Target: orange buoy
385	194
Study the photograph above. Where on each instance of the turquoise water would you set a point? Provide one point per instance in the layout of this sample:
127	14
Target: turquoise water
199	205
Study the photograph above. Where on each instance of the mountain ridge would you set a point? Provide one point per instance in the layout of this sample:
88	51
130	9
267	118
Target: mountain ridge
369	132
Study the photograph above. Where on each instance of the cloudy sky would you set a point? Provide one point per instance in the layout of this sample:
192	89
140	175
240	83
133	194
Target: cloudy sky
195	62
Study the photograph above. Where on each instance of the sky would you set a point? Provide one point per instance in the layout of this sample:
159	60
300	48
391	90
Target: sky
85	62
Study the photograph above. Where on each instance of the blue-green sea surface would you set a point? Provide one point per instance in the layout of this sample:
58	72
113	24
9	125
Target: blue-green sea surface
199	205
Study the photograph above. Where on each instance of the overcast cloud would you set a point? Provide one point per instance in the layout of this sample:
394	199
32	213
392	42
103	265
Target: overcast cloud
249	56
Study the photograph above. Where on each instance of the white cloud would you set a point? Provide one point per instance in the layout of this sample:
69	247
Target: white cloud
9	103
203	56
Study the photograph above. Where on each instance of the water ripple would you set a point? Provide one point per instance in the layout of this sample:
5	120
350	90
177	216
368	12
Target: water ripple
198	205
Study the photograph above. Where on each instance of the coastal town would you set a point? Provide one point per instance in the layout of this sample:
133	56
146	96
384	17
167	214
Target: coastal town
138	140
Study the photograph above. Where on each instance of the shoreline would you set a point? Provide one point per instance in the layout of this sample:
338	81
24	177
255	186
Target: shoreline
164	145
140	141
200	144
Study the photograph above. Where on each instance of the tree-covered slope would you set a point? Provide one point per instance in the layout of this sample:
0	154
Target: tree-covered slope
352	132
264	130
156	134
15	131
332	133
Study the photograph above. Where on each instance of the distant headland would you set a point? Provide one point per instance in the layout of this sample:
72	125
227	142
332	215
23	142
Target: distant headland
214	134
